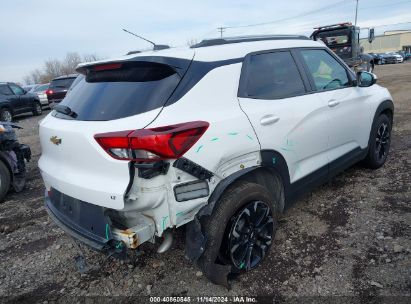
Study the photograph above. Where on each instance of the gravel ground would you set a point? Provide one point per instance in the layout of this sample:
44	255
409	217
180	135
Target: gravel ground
350	237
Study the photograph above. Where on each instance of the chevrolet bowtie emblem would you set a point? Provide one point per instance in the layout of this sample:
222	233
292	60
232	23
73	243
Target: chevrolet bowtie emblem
55	140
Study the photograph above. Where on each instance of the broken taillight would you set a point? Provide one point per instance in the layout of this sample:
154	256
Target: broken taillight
169	142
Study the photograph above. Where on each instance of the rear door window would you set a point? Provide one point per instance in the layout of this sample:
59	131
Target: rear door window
114	91
272	76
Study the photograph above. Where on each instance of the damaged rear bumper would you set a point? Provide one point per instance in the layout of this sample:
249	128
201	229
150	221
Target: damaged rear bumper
92	224
81	220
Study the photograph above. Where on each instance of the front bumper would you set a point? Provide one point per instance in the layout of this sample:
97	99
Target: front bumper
81	220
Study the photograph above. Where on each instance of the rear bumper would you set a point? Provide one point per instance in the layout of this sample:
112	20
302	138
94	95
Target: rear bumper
81	220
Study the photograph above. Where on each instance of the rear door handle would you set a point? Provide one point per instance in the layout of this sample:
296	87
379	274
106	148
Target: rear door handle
269	120
333	103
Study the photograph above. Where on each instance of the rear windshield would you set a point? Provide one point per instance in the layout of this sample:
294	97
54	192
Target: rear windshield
62	83
114	91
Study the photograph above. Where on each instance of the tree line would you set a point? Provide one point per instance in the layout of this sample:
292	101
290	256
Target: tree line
53	68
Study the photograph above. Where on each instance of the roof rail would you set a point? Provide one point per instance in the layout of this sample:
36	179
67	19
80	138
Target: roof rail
229	40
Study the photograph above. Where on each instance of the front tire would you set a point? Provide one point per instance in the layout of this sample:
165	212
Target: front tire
380	140
37	110
4	181
241	228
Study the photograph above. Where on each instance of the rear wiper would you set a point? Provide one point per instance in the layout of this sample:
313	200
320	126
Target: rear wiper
65	110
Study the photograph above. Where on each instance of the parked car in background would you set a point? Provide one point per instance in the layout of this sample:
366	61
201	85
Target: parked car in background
405	55
15	100
388	58
395	57
75	82
58	88
40	91
30	87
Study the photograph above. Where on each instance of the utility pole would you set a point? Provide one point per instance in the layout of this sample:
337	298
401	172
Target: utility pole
356	13
221	30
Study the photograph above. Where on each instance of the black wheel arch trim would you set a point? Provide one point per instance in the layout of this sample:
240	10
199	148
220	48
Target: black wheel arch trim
382	107
195	237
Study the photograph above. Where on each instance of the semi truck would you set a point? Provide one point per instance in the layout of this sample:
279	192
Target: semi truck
344	40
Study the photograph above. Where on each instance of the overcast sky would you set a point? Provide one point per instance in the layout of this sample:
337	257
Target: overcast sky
32	31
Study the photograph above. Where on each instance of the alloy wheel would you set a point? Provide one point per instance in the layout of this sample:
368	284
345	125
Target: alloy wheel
6	116
251	235
382	142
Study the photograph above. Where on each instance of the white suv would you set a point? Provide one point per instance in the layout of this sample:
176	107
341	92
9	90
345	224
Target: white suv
219	137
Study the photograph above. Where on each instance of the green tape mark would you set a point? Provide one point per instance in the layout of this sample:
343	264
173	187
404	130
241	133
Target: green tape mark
242	265
107	231
286	149
199	148
164	222
119	245
233	133
274	159
179	213
214	139
250	137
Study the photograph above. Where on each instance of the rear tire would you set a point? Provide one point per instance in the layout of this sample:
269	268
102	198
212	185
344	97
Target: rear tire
225	228
4	181
37	110
6	115
380	140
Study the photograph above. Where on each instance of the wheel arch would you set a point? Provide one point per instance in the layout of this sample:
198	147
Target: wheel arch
6	106
272	170
386	107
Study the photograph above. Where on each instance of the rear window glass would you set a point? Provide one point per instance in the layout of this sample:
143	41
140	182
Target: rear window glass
62	83
127	90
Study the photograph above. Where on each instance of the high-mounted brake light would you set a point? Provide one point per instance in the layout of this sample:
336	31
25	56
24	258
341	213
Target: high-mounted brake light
109	66
169	142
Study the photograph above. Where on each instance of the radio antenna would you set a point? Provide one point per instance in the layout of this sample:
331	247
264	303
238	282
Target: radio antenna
140	37
156	47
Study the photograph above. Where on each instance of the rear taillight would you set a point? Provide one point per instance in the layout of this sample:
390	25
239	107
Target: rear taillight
49	92
168	142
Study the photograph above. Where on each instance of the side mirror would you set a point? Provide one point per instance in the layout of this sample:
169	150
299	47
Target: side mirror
366	79
371	35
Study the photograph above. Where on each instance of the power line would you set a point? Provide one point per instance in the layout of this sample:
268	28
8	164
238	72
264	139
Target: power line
293	17
383	5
